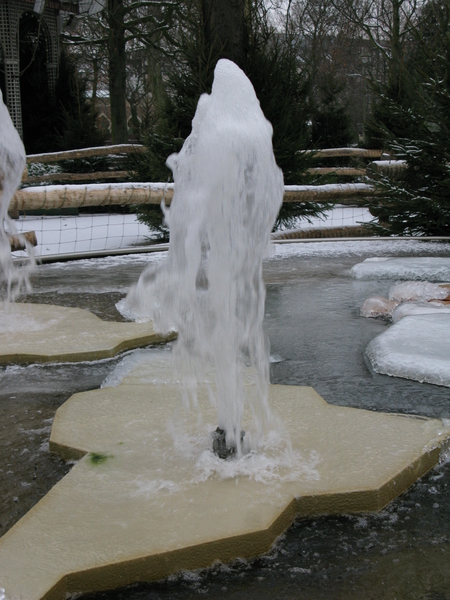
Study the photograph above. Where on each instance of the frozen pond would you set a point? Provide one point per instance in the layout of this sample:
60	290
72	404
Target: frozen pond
318	339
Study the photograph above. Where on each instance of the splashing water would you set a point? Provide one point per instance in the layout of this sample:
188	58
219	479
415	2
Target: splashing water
13	278
228	191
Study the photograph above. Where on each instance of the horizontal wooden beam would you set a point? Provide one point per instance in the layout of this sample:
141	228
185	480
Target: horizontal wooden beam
336	171
122	194
78	176
52	157
352	152
17	241
327	193
132	148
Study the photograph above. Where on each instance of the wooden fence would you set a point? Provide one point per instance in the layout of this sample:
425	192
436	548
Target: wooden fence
128	193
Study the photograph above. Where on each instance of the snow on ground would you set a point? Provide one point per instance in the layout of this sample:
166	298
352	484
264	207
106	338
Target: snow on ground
416	347
404	268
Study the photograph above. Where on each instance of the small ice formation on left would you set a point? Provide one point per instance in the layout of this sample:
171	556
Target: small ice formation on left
14	277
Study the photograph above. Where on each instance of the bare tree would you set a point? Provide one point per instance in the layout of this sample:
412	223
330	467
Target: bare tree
121	25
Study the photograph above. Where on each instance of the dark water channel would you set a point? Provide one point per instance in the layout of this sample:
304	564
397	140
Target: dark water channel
312	320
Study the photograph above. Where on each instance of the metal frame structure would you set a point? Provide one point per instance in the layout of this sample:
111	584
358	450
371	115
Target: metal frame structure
11	11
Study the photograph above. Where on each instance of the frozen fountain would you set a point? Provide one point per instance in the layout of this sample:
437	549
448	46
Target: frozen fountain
228	191
12	163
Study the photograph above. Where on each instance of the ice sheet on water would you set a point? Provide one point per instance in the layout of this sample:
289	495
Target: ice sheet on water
430	268
416	347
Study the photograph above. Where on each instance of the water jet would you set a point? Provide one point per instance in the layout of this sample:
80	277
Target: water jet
227	193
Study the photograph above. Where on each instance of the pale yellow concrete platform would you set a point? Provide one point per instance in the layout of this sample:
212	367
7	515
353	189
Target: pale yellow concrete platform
140	506
42	333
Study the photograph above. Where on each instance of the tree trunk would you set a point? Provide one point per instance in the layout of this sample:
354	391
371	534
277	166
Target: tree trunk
394	69
224	24
117	71
94	84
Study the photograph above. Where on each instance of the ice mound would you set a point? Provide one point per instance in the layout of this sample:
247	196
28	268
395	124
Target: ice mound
429	268
407	309
417	291
378	306
416	347
410	292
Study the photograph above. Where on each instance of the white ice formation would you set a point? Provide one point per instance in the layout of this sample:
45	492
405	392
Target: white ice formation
407	309
227	194
417	291
417	347
377	306
407	295
429	268
12	164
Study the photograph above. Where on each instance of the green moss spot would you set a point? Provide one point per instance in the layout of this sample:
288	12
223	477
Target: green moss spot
97	458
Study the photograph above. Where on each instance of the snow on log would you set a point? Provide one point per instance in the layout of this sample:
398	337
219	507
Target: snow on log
85	153
327	193
336	171
78	176
103	194
130	148
358	152
100	194
392	168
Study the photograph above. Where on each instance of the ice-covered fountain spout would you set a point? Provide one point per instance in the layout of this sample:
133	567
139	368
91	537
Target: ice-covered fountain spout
228	191
12	164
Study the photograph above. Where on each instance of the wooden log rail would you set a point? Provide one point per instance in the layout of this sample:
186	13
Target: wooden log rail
52	157
77	176
123	194
17	240
391	168
121	149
